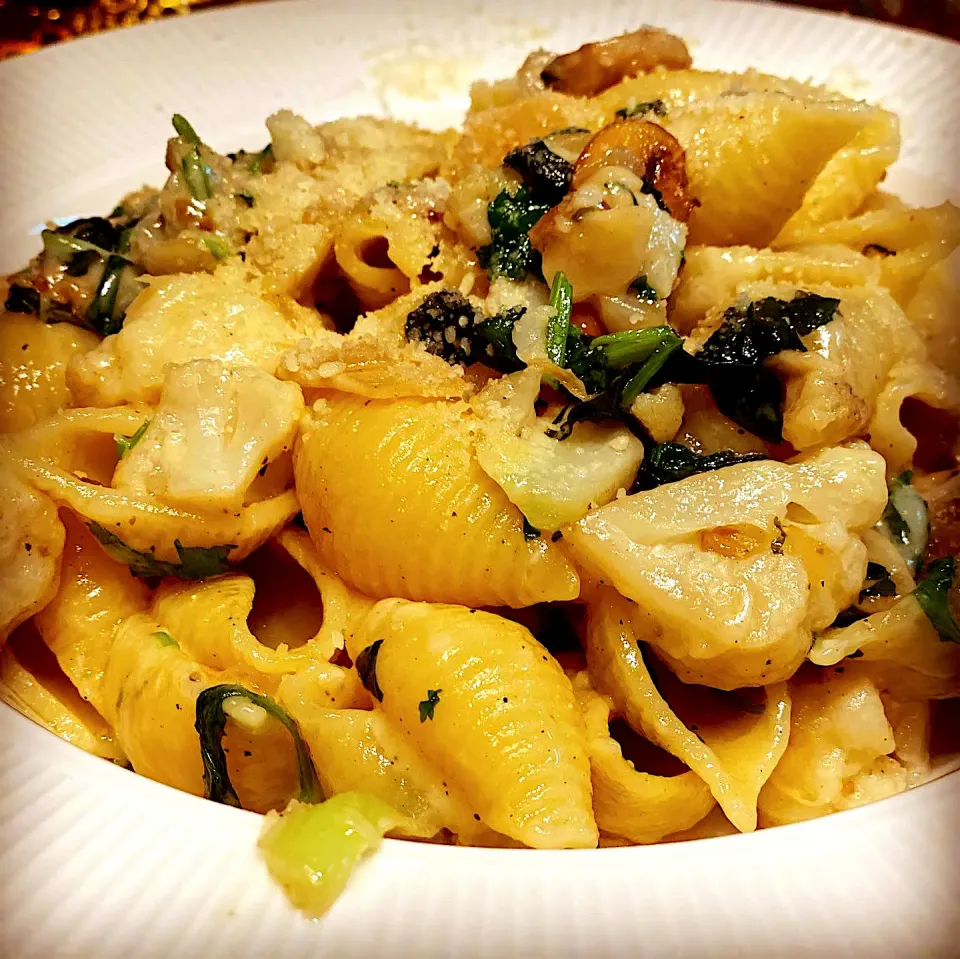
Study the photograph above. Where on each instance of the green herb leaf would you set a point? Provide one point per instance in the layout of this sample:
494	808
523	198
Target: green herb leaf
184	129
933	595
127	443
657	107
197	175
196	562
905	521
645	292
561	299
258	163
511	218
670	462
641	379
210	724
530	531
428	705
165	639
367	669
881	583
118	288
216	246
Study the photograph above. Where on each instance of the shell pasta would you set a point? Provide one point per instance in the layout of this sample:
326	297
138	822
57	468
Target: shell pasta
585	476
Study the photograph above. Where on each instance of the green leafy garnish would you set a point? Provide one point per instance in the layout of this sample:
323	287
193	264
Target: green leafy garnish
511	217
185	129
165	639
210	724
311	850
127	443
428	705
558	327
670	462
905	521
879	582
196	562
367	669
545	174
933	595
261	159
645	292
216	246
657	107
118	288
530	531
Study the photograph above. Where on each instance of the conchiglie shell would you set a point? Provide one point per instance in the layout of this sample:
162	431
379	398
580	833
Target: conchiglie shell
752	158
357	750
506	729
638	806
398	506
713	276
849	177
150	693
95	595
31	547
680	88
32	683
33	362
488	135
733	754
899	649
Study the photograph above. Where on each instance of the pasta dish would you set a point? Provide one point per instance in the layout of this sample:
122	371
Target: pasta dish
585	476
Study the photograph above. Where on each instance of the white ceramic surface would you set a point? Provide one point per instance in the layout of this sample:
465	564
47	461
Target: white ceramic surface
97	862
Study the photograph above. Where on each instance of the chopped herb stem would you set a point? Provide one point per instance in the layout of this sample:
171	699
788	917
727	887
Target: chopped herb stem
561	299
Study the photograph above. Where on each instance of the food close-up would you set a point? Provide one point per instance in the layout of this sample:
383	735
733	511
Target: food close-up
582	476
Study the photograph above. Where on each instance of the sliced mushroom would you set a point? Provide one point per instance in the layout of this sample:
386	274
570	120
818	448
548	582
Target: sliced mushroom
647	150
596	66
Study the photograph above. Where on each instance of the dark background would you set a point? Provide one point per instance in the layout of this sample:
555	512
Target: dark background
26	26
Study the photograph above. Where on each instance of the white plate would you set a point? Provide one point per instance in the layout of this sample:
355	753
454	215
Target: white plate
95	861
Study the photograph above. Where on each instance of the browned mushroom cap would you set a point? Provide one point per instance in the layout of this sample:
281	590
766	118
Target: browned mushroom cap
645	149
596	66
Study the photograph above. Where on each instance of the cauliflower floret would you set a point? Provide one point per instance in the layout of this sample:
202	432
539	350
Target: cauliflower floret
552	482
214	430
31	544
736	568
838	756
189	317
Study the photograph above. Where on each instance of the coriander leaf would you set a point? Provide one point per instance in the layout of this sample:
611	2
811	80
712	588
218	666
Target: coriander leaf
367	669
428	705
546	174
196	562
127	443
561	299
211	721
933	595
511	217
670	462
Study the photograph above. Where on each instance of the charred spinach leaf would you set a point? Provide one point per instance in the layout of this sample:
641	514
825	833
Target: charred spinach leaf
22	299
512	216
730	360
656	107
545	174
933	595
196	562
367	669
448	326
879	583
211	721
670	462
